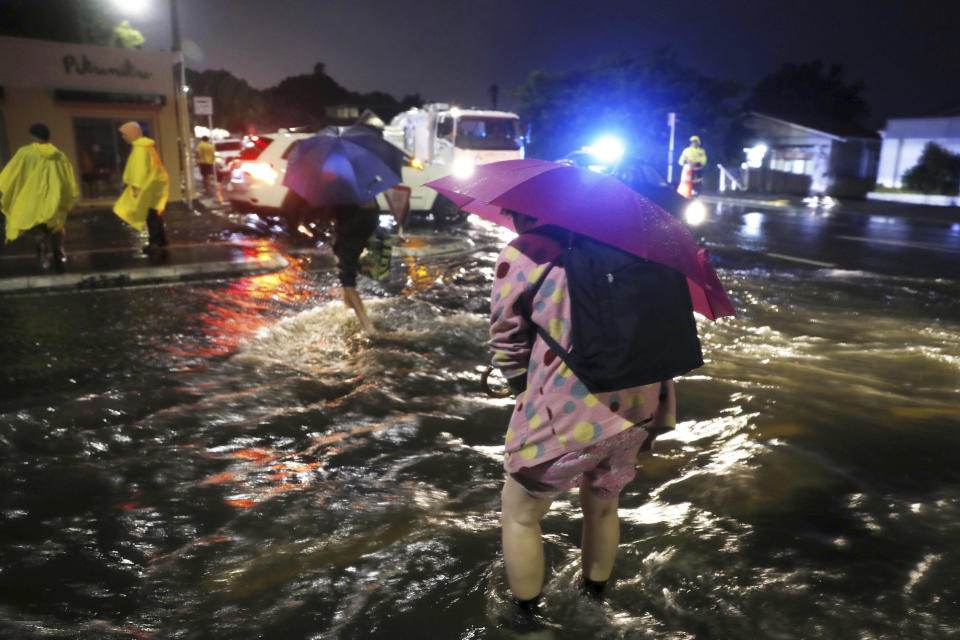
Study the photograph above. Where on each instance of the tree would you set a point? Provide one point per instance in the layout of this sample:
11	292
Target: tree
303	99
629	97
236	103
82	21
809	91
126	37
938	171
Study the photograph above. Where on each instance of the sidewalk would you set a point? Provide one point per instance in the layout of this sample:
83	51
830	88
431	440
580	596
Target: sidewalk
103	251
855	207
205	243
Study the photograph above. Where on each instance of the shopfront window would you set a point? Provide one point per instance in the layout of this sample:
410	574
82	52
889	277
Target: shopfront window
102	154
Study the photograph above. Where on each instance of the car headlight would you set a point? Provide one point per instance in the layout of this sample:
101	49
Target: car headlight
463	167
695	213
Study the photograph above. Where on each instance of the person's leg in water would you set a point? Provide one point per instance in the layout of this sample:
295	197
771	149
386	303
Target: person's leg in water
600	539
352	299
353	229
523	541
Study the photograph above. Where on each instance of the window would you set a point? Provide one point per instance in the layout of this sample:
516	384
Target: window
479	132
445	127
102	154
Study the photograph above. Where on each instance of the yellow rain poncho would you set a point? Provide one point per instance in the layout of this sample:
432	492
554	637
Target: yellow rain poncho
145	172
694	155
38	187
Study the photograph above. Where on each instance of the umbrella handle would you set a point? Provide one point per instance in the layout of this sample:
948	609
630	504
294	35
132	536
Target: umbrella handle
485	385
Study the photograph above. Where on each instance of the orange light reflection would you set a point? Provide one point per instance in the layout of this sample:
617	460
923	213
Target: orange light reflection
247	305
260	473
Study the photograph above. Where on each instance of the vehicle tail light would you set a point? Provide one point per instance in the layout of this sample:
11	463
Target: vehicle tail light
262	171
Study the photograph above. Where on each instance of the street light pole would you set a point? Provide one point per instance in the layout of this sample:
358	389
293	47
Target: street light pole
183	114
672	123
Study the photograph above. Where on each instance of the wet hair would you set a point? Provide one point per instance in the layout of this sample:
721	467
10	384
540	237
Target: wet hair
516	215
40	131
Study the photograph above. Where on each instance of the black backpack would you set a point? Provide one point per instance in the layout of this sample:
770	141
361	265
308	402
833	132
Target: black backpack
631	319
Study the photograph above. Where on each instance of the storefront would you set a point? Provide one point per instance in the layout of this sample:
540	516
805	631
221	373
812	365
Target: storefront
84	93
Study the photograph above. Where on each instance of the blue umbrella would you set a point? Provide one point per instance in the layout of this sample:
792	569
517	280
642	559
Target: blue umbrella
343	165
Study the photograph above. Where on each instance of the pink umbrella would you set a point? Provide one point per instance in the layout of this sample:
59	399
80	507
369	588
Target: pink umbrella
595	205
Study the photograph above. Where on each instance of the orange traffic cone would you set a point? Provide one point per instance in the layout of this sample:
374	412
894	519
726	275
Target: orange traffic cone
685	188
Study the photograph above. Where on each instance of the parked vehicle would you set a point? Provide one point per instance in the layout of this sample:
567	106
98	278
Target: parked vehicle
444	140
256	176
226	151
643	178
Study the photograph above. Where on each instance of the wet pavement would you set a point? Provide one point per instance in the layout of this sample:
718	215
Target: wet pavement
206	243
229	458
103	251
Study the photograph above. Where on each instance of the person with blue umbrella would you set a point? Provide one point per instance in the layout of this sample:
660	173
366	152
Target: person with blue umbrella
338	174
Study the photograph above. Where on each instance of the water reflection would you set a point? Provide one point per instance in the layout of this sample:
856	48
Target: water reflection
752	223
267	474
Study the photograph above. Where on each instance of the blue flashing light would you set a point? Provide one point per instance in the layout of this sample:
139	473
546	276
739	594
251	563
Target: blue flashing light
607	150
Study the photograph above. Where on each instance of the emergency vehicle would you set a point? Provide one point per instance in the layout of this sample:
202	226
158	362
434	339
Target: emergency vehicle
446	140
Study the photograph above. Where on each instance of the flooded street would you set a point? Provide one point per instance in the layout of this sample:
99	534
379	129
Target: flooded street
230	460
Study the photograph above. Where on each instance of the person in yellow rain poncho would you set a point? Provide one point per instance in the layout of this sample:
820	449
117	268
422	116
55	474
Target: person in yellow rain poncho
696	158
147	186
39	189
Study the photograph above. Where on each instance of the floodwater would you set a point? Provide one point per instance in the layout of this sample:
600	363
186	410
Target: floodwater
231	461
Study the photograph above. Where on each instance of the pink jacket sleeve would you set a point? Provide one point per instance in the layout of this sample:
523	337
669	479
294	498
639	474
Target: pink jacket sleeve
517	277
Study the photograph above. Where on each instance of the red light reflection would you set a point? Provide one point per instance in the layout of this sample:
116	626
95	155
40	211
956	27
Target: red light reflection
246	305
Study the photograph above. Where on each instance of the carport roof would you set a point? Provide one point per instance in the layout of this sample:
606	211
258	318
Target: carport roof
833	128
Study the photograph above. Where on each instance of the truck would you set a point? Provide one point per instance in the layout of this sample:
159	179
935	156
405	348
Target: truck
442	140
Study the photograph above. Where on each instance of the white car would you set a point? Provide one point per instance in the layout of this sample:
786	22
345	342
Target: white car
256	180
226	151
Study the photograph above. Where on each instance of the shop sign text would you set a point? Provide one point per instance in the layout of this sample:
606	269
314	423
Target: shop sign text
84	66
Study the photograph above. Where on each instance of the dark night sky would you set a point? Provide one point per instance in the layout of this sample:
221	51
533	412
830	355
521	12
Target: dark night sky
907	52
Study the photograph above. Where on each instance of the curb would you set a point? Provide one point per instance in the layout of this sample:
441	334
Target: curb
780	203
419	246
142	276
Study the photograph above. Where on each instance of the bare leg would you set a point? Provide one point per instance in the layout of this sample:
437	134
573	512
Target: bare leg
522	540
352	299
601	535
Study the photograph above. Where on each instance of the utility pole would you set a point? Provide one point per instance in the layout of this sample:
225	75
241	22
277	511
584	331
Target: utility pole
672	123
183	113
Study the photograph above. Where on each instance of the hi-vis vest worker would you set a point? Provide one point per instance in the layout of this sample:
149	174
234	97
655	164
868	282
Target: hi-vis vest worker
38	186
146	180
206	152
694	154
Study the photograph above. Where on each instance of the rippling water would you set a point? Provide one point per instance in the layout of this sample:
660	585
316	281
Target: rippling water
231	461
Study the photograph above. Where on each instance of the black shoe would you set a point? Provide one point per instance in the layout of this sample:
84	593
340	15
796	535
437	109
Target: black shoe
592	589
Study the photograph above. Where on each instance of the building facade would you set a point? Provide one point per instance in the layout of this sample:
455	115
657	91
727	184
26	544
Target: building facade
835	159
904	140
83	93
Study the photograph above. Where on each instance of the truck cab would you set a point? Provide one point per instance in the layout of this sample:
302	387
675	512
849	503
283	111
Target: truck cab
445	140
